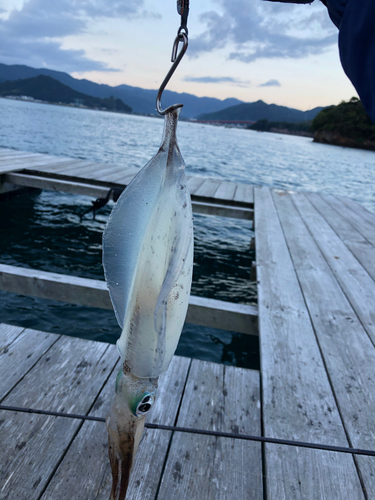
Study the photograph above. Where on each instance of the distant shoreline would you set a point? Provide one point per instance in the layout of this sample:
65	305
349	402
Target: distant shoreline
71	105
334	138
300	133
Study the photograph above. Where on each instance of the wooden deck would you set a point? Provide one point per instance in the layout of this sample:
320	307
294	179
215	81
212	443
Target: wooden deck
316	311
209	196
315	268
55	458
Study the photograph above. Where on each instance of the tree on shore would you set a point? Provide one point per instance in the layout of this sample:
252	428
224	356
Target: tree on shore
348	119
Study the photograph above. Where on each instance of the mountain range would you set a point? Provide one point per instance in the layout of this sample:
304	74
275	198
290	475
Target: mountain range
142	101
259	110
46	88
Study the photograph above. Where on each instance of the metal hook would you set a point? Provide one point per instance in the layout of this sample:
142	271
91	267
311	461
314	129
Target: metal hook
176	59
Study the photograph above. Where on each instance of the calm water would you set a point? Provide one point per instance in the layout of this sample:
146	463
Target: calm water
43	231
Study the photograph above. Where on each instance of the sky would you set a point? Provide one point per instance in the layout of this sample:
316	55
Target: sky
284	54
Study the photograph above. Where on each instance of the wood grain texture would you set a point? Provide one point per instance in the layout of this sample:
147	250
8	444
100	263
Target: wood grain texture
226	190
348	353
124	176
86	468
225	399
8	333
51	184
358	208
16	156
363	222
75	167
53	168
357	244
97	171
102	174
19	357
357	284
303	474
298	402
244	193
241	318
31	164
208	188
67	378
194	183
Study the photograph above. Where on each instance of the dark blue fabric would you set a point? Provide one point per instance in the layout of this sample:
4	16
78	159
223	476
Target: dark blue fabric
336	10
356	22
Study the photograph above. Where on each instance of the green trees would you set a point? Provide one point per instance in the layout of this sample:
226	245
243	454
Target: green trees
348	119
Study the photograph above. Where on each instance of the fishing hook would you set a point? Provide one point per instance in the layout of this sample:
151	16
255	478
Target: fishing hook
176	59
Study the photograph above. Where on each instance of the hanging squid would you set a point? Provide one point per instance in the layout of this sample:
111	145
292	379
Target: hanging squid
148	261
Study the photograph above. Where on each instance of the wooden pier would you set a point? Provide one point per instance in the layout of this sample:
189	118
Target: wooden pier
315	269
59	458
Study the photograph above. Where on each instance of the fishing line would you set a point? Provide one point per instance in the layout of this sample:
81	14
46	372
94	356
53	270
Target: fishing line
244	437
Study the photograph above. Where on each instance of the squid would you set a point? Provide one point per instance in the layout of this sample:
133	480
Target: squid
148	262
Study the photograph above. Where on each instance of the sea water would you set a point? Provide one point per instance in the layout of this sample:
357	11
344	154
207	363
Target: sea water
44	231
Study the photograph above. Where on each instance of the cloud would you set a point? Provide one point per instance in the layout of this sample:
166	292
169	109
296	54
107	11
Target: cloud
34	33
270	83
217	79
255	30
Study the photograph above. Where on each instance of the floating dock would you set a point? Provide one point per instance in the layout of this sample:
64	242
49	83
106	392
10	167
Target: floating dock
315	271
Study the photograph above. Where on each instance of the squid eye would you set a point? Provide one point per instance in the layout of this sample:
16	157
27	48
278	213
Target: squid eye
144	405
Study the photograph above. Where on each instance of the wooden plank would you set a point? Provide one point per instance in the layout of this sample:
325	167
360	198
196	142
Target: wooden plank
8	334
201	207
348	353
226	190
122	176
208	188
356	283
359	209
97	191
219	398
357	244
17	359
86	170
55	380
108	175
46	166
244	193
86	466
297	399
112	170
56	185
365	226
11	152
19	164
207	312
47	160
194	183
4	159
73	166
67	378
93	293
31	164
